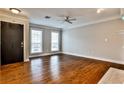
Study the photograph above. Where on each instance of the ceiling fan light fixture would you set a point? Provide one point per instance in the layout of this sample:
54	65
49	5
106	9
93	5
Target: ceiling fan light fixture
100	10
15	10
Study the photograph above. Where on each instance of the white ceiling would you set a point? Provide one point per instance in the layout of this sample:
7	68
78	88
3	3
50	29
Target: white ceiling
83	15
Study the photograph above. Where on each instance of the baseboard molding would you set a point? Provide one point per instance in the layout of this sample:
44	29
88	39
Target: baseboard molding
44	54
97	58
26	60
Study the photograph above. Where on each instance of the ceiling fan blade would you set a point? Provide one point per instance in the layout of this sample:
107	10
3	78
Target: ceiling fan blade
72	19
69	22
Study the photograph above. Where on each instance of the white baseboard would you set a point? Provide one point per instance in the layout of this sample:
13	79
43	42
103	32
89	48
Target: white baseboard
44	54
97	58
26	60
47	54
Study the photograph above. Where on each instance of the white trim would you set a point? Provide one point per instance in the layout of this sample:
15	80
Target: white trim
98	21
97	58
44	54
26	60
121	12
44	27
41	43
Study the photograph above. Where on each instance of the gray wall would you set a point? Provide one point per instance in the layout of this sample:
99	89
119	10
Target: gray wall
46	38
103	40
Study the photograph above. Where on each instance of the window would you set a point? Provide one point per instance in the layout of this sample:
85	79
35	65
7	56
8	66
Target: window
36	41
54	41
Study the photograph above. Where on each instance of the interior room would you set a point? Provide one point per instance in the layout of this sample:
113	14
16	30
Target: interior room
61	45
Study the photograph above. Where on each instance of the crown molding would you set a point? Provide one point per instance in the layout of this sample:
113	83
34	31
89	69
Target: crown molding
96	22
44	27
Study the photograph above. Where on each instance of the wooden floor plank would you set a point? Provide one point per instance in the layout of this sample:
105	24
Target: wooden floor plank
56	69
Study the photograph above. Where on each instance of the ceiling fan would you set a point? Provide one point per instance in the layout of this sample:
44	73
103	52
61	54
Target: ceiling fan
69	19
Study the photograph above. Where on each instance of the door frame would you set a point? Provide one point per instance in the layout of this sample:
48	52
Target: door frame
23	38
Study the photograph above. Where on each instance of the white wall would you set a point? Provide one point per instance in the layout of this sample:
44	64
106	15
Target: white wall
89	41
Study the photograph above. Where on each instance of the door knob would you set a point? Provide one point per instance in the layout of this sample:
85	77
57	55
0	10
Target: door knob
22	44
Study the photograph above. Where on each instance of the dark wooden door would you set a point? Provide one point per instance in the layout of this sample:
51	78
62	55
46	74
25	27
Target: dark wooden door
11	43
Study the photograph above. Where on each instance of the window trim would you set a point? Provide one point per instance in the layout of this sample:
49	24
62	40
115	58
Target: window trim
58	42
32	28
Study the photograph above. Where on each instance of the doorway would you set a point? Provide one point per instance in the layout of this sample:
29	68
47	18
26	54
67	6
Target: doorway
11	43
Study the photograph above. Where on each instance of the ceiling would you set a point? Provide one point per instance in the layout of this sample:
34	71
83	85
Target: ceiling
83	16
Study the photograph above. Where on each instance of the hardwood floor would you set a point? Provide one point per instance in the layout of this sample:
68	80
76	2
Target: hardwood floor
57	69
